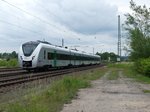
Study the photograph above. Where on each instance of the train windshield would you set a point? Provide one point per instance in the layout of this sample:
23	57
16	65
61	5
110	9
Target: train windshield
28	48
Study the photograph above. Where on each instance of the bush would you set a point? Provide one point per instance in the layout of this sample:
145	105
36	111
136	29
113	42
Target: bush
9	63
143	66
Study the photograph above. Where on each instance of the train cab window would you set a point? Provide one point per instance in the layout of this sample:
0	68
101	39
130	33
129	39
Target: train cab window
29	47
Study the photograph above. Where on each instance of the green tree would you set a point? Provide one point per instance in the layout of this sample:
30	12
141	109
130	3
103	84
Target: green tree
8	56
13	54
138	26
105	56
113	56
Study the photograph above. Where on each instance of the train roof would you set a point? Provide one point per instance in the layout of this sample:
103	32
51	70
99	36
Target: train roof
45	43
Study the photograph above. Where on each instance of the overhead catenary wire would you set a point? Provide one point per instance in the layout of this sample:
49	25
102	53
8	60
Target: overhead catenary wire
50	12
40	19
28	13
47	10
18	25
21	27
37	17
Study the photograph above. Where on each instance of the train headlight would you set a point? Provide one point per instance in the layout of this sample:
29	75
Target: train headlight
33	57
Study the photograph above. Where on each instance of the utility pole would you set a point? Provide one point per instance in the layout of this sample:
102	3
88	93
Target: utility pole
93	50
119	38
62	42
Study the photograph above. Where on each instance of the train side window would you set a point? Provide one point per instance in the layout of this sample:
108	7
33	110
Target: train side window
50	56
59	56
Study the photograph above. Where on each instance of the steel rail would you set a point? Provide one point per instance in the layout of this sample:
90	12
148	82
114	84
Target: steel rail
36	76
9	69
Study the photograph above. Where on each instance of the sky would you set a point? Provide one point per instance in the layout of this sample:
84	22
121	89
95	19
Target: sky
87	25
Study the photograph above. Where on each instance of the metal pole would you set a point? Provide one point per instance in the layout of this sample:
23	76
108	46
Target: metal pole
119	38
62	42
93	50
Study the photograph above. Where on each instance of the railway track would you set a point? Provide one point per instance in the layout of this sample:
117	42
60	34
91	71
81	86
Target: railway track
27	77
7	72
12	73
9	69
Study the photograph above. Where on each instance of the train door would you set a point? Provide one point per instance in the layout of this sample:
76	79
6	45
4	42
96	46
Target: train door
55	59
43	62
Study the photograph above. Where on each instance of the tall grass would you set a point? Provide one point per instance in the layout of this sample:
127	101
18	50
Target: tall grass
129	71
59	93
52	99
124	65
114	75
146	91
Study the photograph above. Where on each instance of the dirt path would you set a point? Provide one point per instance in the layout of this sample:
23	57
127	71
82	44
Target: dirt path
121	95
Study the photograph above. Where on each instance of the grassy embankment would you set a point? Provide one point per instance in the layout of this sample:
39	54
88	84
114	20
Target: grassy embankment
59	93
9	63
129	71
63	90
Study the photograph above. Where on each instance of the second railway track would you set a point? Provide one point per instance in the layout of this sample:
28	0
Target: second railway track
27	77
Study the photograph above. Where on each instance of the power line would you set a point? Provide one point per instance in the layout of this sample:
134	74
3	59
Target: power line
20	27
44	21
47	10
37	17
18	17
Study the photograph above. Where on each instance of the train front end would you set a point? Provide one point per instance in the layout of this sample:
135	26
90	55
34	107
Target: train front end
28	55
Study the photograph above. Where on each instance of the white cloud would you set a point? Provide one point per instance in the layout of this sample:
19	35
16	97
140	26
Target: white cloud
77	21
87	16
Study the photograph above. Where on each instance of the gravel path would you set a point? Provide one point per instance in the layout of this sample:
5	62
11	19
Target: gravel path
121	95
